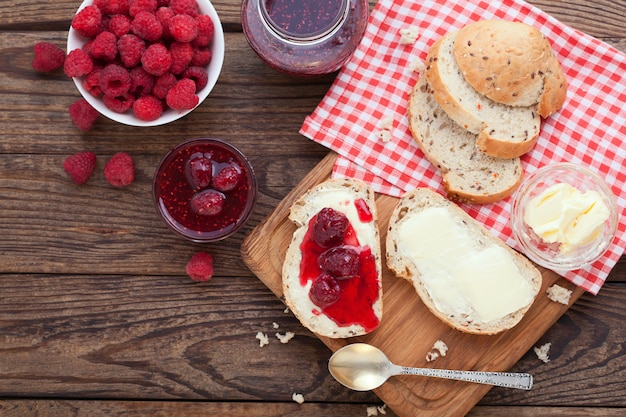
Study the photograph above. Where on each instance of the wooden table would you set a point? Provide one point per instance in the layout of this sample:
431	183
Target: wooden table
97	316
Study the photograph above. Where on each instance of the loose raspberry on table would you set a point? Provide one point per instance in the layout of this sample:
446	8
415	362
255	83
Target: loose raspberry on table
120	104
119	25
87	22
104	46
198	75
136	6
131	49
206	30
163	84
200	267
115	80
83	115
201	57
48	57
119	171
112	6
77	63
80	166
148	108
182	53
182	96
146	26
183	28
140	82
188	7
156	59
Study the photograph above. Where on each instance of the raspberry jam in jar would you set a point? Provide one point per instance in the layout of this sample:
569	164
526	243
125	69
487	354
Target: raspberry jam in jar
304	38
204	189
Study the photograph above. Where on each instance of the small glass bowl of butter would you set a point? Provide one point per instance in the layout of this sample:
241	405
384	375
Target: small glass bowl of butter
564	216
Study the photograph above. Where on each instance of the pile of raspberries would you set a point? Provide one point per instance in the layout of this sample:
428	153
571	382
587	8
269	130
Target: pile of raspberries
143	56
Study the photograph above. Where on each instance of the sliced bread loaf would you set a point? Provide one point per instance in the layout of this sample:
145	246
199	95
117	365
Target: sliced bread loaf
503	131
469	175
511	63
358	309
465	276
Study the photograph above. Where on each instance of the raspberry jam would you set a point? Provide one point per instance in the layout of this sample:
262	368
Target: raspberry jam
304	38
356	294
184	192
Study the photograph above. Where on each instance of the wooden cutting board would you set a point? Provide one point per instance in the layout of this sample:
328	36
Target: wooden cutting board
408	330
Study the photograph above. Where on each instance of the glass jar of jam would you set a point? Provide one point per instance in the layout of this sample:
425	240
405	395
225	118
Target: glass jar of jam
304	38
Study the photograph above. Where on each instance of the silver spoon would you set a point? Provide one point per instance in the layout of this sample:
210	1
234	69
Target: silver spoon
363	367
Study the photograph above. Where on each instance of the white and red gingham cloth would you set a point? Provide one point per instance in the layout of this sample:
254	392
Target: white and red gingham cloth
375	83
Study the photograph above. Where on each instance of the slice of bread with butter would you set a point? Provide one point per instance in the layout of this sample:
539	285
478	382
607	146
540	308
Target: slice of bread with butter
466	276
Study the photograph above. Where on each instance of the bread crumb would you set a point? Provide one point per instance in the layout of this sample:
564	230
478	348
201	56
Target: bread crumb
372	411
382	409
417	66
386	123
263	339
409	35
559	294
542	352
384	135
299	398
285	338
286	310
431	356
441	347
275	325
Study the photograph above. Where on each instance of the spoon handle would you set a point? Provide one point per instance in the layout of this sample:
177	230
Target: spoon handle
500	379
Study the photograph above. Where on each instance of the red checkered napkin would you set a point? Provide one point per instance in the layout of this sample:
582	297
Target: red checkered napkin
374	85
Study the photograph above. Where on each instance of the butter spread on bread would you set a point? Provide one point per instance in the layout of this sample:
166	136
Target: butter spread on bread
349	305
467	277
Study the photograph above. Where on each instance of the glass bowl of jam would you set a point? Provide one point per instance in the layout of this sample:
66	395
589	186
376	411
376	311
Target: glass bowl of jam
304	38
204	189
564	216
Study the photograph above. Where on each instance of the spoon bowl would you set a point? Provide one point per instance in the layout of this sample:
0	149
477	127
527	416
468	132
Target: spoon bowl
363	367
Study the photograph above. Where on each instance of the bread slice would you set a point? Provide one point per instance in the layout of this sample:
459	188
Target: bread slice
511	63
340	195
469	175
465	276
503	131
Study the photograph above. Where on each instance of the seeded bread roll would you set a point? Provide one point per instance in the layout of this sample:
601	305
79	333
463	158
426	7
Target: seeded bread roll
460	303
469	175
331	193
503	131
511	63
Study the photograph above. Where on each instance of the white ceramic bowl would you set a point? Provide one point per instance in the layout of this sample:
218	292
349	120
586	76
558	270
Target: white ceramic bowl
74	41
549	255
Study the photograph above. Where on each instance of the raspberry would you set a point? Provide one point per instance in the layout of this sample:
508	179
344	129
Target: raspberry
198	75
146	26
163	84
156	59
136	6
120	170
206	30
201	57
80	166
329	227
148	108
83	114
183	28
140	82
91	83
188	7
340	262
324	291
208	202
119	25
87	21
163	15
104	46
182	96
182	53
48	57
77	63
115	80
119	104
228	178
130	48
199	171
200	267
112	6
